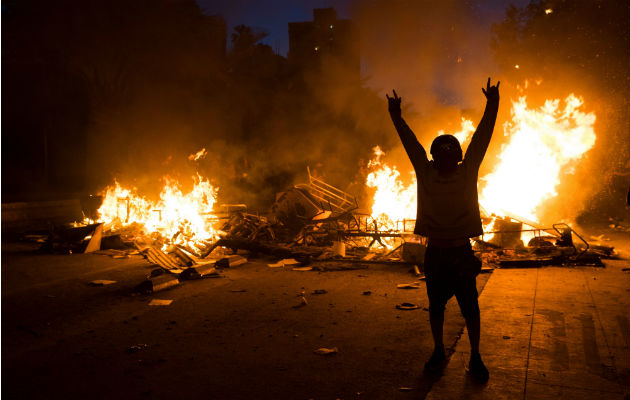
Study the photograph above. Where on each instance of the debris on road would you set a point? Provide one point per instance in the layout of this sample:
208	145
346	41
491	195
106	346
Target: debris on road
136	348
413	285
160	302
157	283
310	226
303	302
173	262
287	262
231	261
199	271
94	243
407	306
81	239
276	265
101	282
326	351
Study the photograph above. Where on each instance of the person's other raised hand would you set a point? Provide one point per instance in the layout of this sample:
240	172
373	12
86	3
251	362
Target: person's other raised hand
394	104
491	92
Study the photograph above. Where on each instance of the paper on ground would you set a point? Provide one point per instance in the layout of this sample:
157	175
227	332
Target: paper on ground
159	302
101	282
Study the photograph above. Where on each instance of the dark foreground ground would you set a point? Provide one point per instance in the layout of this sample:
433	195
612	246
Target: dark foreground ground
241	336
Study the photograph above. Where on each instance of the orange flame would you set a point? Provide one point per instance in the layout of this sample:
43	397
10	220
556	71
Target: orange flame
393	201
198	155
185	219
542	143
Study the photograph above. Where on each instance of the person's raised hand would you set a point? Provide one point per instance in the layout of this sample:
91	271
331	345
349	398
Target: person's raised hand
394	105
491	92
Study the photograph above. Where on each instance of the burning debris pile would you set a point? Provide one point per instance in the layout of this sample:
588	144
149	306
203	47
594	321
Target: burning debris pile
188	235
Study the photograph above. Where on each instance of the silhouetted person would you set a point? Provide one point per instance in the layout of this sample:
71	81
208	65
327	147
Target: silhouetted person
448	215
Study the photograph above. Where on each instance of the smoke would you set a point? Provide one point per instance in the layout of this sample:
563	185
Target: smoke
436	55
158	86
578	47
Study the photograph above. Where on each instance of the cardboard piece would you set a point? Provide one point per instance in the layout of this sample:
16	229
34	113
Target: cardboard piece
95	241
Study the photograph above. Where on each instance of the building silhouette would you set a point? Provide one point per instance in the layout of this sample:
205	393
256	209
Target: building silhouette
327	46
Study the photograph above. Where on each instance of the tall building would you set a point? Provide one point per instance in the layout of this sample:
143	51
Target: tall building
326	45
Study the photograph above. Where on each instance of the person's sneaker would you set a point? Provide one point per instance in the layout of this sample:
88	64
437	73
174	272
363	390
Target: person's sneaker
477	369
436	363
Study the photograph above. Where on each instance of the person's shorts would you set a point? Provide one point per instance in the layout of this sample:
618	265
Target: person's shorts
452	272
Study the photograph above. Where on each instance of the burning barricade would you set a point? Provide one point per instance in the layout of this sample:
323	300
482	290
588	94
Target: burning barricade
188	235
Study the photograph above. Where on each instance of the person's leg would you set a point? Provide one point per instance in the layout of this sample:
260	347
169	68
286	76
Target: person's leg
437	361
474	329
435	293
467	299
438	296
437	330
468	267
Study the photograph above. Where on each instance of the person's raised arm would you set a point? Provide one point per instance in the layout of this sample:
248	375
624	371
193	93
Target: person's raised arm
481	139
414	149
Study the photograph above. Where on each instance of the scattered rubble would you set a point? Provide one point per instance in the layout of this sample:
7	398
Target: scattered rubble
199	271
313	226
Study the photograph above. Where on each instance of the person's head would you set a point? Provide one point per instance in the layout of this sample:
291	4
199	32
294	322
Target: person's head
446	152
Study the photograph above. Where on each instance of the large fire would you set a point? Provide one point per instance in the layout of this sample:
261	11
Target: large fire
542	142
180	218
393	200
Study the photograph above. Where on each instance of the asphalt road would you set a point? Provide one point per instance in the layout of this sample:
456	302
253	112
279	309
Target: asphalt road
240	336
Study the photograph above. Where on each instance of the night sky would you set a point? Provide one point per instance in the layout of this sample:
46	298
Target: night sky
274	15
271	15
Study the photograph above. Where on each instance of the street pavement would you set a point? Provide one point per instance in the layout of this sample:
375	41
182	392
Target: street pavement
548	333
553	332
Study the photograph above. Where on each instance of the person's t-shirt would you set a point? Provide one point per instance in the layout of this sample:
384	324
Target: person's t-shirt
448	205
